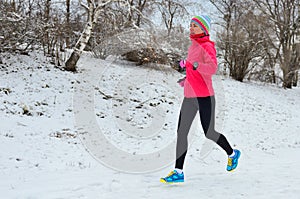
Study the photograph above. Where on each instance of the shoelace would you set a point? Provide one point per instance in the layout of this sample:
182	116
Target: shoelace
230	161
171	173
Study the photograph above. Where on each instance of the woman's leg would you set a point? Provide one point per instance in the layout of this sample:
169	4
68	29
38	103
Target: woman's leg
188	111
207	117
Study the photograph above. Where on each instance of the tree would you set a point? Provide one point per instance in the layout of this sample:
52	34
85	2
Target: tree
136	9
47	27
93	9
16	32
68	23
296	50
240	39
169	9
282	16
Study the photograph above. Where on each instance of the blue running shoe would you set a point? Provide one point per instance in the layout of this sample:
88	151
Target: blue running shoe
233	161
173	177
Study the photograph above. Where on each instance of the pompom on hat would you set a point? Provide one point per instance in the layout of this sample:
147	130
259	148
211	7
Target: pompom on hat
203	21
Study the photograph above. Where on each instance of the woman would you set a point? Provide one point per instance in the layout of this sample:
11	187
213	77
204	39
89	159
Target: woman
200	65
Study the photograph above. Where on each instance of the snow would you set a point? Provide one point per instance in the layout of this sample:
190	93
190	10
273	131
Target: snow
109	131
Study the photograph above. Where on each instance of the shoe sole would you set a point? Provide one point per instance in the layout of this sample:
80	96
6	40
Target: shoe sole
165	182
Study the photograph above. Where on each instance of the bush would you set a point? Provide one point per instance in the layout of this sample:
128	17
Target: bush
151	55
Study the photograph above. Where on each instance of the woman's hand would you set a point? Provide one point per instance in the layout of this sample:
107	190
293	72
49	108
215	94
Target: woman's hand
181	82
182	63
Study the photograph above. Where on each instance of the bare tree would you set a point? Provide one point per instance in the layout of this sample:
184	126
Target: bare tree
46	28
93	9
225	7
141	5
240	39
134	12
169	9
68	23
295	60
16	32
282	16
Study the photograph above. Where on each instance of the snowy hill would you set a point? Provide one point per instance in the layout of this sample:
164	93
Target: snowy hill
109	131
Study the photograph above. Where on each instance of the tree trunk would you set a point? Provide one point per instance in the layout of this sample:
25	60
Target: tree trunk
141	6
72	61
287	79
46	19
93	13
273	77
295	79
80	45
297	49
68	25
295	58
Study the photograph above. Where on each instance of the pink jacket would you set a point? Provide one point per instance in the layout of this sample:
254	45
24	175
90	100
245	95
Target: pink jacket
198	82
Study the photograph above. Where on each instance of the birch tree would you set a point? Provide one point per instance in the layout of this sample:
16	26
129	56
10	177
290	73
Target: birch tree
93	9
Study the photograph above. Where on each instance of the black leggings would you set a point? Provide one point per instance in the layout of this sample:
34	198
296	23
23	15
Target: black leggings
206	108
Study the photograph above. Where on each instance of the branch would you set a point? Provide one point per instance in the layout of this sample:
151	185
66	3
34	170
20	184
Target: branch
216	6
85	6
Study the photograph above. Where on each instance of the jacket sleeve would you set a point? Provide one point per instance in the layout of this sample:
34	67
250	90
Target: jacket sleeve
209	65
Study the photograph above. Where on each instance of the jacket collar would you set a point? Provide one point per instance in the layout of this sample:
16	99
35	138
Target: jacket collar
200	38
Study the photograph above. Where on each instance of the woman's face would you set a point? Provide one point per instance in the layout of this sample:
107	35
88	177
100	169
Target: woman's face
194	29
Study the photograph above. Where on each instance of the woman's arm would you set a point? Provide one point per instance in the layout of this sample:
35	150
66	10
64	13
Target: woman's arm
209	65
203	59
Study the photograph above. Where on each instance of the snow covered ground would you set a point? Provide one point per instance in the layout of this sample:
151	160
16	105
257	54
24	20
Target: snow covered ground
109	131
